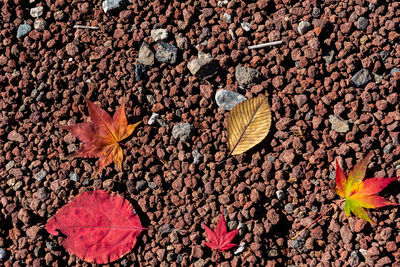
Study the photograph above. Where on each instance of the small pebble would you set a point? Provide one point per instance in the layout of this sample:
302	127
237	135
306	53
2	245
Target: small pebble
280	194
9	165
73	176
182	131
140	72
146	55
361	77
140	185
166	53
159	35
154	116
227	17
50	245
36	11
197	156
152	185
338	124
3	253
40	175
228	99
109	5
328	56
23	29
245	26
316	12
304	27
247	77
289	208
362	23
240	249
384	54
202	67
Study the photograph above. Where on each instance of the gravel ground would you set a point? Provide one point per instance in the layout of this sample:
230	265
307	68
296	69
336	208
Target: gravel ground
333	86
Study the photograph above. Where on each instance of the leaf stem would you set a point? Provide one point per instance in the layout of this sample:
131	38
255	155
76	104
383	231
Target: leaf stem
319	217
141	151
216	261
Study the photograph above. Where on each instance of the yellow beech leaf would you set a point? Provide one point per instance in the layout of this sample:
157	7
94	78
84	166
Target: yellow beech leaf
248	124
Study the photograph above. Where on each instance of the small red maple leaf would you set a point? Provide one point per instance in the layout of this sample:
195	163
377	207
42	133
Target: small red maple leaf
221	238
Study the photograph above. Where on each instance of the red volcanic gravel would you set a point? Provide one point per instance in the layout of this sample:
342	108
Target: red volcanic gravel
322	111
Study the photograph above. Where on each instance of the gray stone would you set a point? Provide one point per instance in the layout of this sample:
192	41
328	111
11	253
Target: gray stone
197	156
146	55
50	245
245	26
361	77
109	5
140	185
280	194
182	131
73	176
338	124
316	12
166	53
140	72
304	27
228	99
159	35
36	11
328	55
289	208
298	244
17	185
85	182
3	253
23	29
227	17
384	54
202	67
40	175
362	23
247	77
394	70
154	116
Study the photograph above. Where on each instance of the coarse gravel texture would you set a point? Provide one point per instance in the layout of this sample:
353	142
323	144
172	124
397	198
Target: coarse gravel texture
272	191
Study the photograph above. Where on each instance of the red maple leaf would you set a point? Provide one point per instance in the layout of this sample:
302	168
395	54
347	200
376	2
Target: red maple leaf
100	226
102	135
221	238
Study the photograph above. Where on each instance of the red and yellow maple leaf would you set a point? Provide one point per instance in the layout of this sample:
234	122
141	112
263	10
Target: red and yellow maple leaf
359	194
221	238
102	135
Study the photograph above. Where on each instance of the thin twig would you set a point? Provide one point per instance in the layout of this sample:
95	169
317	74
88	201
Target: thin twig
265	45
86	27
319	217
